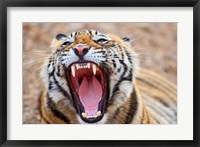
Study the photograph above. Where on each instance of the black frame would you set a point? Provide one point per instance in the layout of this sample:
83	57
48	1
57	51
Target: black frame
97	3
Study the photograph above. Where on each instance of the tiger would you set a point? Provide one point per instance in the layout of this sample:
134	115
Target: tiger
94	78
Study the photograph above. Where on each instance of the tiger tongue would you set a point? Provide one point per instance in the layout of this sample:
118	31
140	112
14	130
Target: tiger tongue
90	93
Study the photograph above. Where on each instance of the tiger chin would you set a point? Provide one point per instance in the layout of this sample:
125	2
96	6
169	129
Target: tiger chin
93	78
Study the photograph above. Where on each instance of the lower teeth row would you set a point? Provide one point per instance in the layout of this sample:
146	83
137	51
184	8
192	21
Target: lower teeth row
84	115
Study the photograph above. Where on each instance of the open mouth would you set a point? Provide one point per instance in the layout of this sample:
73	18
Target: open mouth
88	84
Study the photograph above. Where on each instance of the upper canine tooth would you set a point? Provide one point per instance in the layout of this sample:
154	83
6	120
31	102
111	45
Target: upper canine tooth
94	69
88	65
73	70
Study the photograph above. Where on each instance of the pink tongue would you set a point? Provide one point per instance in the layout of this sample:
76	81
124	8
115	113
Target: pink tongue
90	93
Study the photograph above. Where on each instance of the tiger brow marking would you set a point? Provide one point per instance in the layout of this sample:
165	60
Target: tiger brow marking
56	112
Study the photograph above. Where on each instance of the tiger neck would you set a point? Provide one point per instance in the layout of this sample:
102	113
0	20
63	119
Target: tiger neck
132	111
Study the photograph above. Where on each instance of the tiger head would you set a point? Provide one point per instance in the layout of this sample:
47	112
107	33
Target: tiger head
92	72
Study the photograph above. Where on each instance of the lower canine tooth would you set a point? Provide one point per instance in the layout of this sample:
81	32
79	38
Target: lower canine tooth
84	115
98	113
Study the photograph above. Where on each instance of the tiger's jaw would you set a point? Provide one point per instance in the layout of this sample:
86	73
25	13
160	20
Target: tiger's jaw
89	87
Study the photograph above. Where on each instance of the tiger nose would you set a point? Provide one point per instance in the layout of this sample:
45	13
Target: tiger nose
81	50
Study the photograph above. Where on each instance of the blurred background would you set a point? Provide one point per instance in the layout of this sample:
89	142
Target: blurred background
156	44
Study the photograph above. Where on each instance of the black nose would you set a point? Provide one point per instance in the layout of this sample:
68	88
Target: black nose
81	51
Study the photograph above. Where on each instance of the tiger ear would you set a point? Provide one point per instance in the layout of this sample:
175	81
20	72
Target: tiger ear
57	41
126	39
60	36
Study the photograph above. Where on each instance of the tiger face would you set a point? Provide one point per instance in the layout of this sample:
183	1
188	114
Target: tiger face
90	73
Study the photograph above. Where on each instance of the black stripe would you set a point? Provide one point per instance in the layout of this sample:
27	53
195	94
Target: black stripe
58	72
125	67
157	87
133	106
156	120
116	88
129	57
61	89
128	78
148	119
50	85
114	63
90	31
51	73
51	105
50	82
46	120
158	109
102	51
119	69
75	33
156	97
121	50
131	112
116	113
142	116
